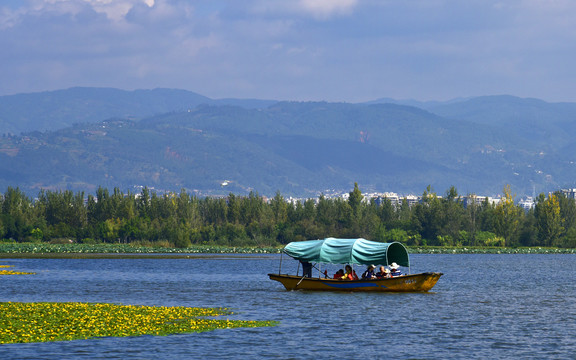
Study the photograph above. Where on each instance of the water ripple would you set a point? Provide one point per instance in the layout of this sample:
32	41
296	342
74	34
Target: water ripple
486	306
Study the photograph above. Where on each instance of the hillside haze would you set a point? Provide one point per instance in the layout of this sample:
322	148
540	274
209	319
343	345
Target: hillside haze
174	139
52	110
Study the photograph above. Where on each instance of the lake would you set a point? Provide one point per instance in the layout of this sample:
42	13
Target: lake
485	306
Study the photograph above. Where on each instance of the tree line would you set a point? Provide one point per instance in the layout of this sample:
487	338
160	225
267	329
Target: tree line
182	219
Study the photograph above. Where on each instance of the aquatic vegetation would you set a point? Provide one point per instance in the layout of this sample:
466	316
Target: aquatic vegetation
44	248
490	250
12	272
42	322
91	250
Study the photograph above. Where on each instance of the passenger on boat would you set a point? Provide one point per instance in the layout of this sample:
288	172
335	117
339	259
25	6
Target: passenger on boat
339	274
383	273
395	269
306	268
369	273
350	274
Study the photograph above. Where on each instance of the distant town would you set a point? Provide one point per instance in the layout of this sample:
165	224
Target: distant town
526	202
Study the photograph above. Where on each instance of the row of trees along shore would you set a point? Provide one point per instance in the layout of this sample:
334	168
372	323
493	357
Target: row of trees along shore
180	220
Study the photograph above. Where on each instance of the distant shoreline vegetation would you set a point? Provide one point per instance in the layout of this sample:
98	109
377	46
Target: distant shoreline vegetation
63	221
108	251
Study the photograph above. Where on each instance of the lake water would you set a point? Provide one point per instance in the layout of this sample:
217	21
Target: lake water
484	307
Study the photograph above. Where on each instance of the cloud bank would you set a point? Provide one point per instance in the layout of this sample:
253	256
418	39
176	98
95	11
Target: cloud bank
336	50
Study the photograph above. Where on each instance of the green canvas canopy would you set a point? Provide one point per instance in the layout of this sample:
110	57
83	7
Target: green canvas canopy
348	251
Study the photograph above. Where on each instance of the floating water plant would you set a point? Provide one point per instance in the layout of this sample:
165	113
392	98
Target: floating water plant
44	248
42	322
12	272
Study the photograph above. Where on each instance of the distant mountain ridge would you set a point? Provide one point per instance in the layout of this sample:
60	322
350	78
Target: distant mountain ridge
53	110
173	139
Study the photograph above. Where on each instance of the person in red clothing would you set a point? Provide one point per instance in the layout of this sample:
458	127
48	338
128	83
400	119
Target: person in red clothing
350	274
339	274
354	276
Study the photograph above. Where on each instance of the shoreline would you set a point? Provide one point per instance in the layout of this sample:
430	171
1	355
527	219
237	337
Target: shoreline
128	256
231	253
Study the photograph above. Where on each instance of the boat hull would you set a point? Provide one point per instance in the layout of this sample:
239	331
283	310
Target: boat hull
406	283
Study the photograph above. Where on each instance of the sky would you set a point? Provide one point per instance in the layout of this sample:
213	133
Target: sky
302	50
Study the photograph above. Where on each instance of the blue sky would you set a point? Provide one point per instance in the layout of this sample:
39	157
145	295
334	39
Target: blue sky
333	50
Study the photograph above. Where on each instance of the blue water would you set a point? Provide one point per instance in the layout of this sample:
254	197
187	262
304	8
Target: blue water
484	307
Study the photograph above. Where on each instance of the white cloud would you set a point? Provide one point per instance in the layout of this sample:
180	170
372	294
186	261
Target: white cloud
327	8
292	49
113	9
318	9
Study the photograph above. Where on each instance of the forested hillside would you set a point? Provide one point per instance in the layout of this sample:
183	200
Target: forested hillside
53	110
298	148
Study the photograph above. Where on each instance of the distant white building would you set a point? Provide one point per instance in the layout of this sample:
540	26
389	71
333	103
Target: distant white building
479	200
569	193
411	200
527	203
392	197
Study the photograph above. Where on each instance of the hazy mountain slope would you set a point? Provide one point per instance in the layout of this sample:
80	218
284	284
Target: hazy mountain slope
550	125
498	109
297	148
300	148
400	130
52	110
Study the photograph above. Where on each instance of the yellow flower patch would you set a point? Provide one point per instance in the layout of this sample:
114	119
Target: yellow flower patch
11	272
41	322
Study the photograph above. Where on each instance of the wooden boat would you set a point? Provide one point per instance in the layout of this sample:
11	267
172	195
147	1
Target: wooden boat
404	283
352	251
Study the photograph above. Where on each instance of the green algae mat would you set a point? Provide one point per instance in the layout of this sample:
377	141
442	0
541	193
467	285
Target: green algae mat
42	322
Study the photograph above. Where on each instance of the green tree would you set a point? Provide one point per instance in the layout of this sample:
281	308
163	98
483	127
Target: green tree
17	211
528	233
234	209
428	216
453	214
326	216
279	208
387	213
508	217
548	219
567	210
355	199
471	220
143	204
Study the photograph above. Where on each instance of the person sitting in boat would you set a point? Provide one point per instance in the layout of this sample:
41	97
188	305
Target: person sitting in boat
339	274
383	273
395	270
369	273
349	274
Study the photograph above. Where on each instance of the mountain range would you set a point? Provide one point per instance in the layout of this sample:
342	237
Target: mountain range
168	139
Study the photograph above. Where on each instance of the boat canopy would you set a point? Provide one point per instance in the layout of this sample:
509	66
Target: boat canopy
348	251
